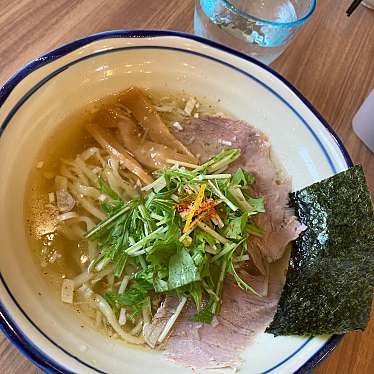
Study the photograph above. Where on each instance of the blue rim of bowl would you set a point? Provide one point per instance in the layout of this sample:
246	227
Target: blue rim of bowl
228	4
7	325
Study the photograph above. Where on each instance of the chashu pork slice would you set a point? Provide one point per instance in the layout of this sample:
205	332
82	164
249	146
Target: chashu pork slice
220	344
207	136
242	314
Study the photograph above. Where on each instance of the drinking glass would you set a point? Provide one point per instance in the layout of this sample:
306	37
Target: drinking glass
259	28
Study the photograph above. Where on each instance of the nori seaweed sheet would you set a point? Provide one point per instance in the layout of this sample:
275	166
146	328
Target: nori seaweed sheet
330	279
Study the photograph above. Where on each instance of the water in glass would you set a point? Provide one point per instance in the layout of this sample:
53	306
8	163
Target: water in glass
259	28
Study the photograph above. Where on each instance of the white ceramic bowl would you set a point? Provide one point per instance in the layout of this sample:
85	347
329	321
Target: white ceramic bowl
41	95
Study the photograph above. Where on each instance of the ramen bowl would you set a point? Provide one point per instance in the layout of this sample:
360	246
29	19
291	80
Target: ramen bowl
35	101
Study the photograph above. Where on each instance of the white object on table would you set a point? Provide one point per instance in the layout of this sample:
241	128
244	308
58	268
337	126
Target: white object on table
363	122
369	3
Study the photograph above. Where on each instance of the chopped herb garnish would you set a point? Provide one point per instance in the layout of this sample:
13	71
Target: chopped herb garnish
134	297
204	316
183	234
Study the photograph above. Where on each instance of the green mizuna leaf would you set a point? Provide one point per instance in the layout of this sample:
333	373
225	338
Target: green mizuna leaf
243	178
134	297
182	269
204	237
235	228
164	248
204	316
257	203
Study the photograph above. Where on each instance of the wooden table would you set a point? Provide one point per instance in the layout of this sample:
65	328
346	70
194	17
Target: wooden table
331	62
